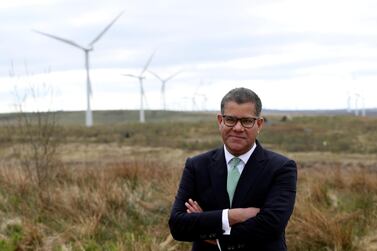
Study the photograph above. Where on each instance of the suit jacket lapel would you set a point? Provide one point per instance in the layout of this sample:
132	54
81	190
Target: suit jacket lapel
249	176
218	174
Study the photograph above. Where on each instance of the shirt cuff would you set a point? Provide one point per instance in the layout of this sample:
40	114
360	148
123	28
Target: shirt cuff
225	220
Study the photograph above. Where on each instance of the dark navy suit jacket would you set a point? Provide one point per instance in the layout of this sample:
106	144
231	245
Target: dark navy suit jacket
268	182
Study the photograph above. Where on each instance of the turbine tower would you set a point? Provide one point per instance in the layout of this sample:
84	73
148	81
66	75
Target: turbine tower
86	49
363	112
357	109
349	103
163	85
141	77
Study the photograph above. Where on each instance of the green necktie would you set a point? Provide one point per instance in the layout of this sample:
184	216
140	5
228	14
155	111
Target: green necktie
233	177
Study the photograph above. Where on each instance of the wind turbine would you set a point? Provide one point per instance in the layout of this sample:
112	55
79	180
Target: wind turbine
363	113
349	101
198	94
141	77
204	101
163	85
357	109
86	49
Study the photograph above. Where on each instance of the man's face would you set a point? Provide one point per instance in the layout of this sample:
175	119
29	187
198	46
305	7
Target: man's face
239	139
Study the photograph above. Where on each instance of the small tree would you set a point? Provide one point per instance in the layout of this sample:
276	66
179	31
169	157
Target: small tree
37	137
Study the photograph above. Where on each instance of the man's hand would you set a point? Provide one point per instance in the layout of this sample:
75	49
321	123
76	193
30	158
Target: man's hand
193	207
238	215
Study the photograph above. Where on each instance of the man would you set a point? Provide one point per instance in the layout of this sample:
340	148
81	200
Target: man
239	196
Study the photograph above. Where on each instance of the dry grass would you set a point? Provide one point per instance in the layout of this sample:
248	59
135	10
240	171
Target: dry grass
119	206
114	192
336	209
124	204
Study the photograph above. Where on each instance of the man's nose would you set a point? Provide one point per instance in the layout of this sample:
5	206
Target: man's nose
238	126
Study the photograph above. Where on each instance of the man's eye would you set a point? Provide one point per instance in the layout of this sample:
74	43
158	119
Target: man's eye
248	121
230	119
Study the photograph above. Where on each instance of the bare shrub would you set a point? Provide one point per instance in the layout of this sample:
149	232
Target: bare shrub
36	139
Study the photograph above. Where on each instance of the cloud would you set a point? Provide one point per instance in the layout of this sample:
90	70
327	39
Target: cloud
6	5
280	48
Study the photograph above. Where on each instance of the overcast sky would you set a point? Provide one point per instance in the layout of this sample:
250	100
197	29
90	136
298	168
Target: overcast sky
296	54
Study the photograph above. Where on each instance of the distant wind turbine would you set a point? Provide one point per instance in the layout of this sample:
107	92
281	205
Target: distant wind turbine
349	101
363	113
141	77
86	49
204	101
198	94
163	85
357	97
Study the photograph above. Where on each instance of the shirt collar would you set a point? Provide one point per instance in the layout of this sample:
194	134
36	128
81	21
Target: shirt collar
244	157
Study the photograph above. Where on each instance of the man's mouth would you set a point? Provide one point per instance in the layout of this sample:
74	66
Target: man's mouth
236	137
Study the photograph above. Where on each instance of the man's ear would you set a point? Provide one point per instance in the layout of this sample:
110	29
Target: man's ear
219	120
260	123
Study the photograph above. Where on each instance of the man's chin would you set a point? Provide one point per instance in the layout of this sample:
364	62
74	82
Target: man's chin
236	149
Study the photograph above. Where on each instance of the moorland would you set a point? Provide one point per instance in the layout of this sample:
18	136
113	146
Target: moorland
110	187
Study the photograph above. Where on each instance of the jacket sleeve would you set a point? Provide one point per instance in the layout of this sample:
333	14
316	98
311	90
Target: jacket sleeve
271	221
194	226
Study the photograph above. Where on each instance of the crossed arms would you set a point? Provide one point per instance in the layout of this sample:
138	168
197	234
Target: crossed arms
235	215
188	222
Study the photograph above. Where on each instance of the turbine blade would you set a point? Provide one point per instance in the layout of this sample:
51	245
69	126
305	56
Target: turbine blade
172	76
154	74
106	29
11	71
147	64
70	42
130	75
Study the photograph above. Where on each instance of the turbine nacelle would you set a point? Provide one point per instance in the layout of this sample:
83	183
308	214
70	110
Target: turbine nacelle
89	49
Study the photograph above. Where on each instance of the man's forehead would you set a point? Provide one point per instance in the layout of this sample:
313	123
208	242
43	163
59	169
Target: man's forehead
233	104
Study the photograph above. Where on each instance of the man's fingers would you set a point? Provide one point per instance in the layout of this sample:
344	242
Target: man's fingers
189	207
193	206
197	206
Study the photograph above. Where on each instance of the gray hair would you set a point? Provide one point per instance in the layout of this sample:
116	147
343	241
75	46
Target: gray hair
240	96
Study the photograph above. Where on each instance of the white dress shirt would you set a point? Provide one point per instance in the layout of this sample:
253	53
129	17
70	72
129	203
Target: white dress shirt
228	157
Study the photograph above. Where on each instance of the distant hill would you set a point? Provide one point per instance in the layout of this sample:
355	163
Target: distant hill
117	116
369	112
132	116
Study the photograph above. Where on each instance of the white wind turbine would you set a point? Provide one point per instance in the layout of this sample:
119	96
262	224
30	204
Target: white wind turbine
163	85
357	109
201	95
349	101
193	98
86	49
363	112
141	77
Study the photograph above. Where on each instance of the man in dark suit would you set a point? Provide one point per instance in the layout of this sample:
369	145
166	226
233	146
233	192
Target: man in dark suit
239	196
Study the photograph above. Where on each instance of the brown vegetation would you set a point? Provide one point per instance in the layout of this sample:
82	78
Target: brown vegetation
112	192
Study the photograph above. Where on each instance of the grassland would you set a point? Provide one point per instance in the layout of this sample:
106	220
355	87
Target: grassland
111	186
